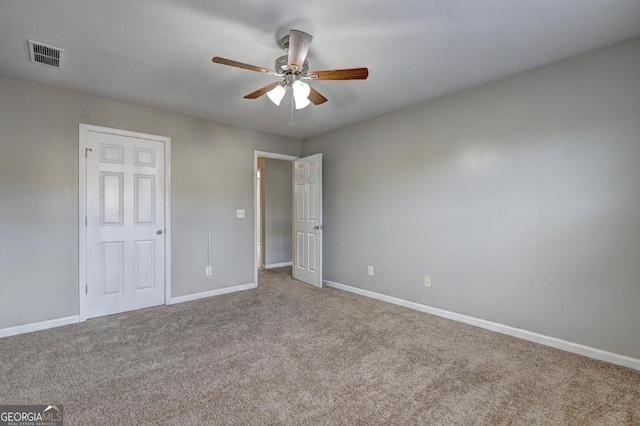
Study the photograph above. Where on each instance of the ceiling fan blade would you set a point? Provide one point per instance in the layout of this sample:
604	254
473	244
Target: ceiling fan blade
232	63
261	91
316	97
299	43
347	74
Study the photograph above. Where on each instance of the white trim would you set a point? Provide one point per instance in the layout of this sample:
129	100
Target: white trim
218	292
278	265
82	212
274	156
167	219
37	326
553	342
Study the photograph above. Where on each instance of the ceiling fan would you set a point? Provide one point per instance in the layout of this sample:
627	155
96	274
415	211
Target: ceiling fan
295	68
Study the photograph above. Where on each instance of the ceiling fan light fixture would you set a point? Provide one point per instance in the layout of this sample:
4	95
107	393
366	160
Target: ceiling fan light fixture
276	94
302	103
301	92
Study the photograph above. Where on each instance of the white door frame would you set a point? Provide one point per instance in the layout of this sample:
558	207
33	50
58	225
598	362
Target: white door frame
273	156
82	208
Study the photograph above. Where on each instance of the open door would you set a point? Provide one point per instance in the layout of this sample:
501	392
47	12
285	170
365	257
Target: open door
307	200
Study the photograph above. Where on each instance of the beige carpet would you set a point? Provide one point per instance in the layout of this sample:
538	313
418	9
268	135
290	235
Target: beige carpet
287	353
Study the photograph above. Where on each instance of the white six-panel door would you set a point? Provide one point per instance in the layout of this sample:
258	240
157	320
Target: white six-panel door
307	258
125	223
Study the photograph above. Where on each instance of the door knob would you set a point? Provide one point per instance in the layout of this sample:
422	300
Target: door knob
318	227
159	232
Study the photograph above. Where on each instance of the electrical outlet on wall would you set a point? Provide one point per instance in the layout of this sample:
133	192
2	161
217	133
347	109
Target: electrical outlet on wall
427	281
370	270
208	270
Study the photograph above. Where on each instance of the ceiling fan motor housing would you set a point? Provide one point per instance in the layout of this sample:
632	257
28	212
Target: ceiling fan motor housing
282	66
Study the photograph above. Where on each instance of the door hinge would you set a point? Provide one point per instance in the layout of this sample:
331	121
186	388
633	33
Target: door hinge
86	150
86	221
86	289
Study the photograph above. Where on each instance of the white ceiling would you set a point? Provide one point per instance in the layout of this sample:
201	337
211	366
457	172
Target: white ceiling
157	53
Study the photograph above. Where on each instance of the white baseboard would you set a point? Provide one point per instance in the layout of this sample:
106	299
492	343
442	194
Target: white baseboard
28	328
278	265
196	296
576	348
37	326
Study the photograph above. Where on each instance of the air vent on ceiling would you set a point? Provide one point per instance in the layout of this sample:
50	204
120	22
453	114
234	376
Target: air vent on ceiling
46	55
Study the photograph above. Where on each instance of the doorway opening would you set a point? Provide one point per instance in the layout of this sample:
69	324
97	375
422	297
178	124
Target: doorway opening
273	177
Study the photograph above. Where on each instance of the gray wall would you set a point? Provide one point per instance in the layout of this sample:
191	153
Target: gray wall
278	206
521	199
212	172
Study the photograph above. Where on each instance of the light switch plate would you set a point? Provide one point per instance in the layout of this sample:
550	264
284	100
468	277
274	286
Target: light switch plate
240	213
